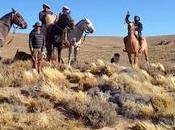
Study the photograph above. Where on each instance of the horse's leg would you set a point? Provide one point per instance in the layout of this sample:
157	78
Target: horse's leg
75	53
135	59
70	55
59	55
146	54
49	51
125	42
130	59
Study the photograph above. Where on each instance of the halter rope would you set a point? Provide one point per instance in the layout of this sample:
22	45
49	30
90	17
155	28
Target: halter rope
85	35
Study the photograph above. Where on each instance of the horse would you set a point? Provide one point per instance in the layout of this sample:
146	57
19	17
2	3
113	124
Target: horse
54	33
6	23
74	37
133	46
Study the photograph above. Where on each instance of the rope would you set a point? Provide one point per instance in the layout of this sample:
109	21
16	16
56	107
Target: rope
85	35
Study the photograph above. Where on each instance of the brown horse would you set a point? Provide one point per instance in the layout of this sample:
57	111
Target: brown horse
6	23
133	46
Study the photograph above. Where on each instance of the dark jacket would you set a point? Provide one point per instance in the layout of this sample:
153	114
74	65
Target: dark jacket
139	26
64	20
36	40
42	16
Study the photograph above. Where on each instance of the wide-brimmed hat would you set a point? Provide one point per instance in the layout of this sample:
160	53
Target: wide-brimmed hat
37	24
46	5
66	8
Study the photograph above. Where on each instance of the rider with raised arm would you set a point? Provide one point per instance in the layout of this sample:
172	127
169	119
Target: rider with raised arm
138	25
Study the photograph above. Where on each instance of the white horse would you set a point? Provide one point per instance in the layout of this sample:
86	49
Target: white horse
75	37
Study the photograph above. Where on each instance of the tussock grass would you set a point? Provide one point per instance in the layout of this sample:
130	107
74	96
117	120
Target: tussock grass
29	100
147	125
87	82
52	74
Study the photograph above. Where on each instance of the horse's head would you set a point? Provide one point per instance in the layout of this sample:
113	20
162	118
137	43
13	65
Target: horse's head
131	27
88	25
18	19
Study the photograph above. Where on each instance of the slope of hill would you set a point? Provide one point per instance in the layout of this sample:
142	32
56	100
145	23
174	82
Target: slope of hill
93	95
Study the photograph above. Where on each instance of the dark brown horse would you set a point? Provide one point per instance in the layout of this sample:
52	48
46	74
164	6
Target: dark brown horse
6	23
54	36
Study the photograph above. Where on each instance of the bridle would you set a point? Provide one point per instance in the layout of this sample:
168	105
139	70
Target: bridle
85	35
18	20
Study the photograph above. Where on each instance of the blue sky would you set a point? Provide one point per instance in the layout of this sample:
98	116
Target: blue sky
107	16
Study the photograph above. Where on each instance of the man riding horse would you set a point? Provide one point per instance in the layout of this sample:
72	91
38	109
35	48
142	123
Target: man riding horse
138	29
42	15
54	36
134	42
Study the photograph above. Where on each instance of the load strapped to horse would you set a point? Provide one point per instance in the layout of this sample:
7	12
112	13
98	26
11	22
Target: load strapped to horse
134	44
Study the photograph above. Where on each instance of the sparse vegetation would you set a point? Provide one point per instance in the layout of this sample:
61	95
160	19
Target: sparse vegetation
93	95
49	100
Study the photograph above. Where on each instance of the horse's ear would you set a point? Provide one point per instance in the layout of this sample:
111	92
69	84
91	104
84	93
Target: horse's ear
13	10
85	18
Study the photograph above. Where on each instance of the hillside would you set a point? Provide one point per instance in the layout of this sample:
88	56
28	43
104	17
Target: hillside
95	95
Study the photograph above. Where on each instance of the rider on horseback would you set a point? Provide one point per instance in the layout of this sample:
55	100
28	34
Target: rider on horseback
66	12
138	25
42	15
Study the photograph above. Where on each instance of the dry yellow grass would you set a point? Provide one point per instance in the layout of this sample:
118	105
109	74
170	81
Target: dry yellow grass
52	74
36	108
146	125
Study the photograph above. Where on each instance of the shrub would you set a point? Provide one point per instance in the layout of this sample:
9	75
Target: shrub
95	112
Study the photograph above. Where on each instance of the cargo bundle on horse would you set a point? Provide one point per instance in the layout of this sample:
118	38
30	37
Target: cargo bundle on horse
6	23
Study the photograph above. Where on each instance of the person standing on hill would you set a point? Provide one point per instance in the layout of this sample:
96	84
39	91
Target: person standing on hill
36	45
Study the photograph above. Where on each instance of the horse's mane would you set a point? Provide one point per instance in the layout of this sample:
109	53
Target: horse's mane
79	22
5	16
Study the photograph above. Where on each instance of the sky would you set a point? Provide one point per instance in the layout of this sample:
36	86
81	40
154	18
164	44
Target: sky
107	16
